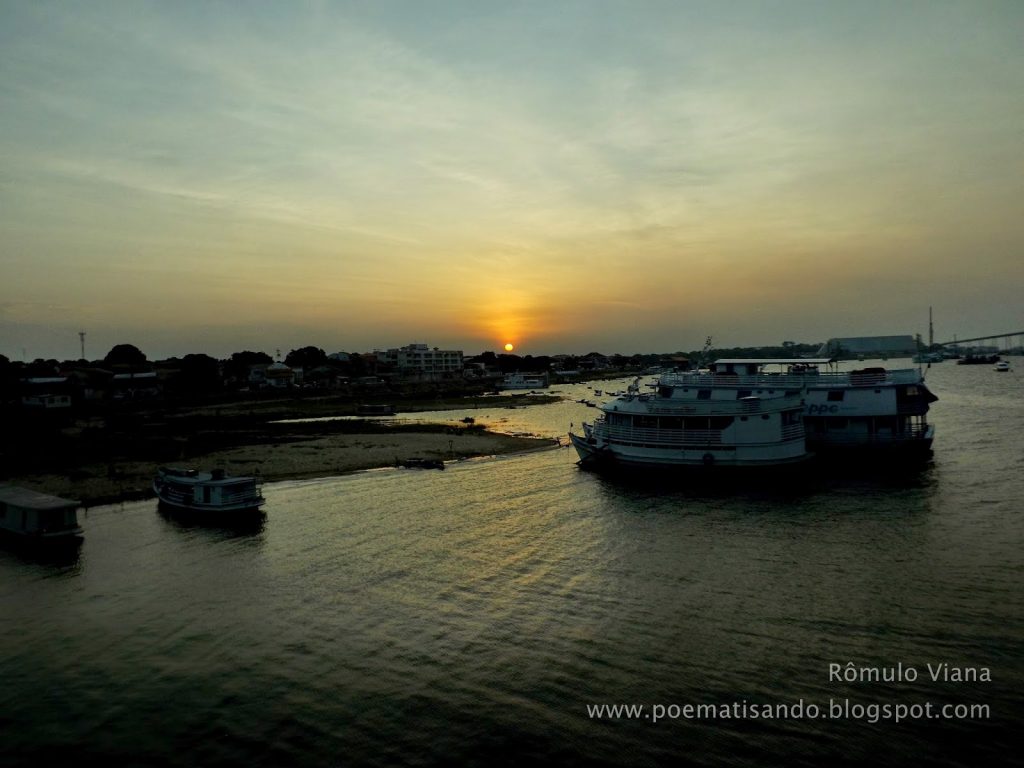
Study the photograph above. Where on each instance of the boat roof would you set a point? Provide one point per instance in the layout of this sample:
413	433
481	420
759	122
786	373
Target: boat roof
775	360
196	477
29	499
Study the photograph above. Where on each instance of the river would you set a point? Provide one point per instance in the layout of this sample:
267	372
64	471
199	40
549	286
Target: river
489	615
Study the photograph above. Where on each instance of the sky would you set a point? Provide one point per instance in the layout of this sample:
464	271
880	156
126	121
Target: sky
567	177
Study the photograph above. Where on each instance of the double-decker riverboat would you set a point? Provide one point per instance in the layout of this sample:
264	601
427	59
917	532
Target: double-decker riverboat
700	428
871	410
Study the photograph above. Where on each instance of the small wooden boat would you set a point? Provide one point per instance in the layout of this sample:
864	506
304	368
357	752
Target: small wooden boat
381	409
210	492
33	516
418	463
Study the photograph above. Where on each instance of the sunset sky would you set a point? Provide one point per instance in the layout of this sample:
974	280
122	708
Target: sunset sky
565	176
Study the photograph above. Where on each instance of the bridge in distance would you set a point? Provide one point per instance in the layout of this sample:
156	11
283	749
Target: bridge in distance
991	337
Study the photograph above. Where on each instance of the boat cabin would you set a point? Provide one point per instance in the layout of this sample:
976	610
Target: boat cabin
755	366
35	515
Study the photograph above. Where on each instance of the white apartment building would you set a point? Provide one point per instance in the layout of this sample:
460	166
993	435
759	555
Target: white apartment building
419	359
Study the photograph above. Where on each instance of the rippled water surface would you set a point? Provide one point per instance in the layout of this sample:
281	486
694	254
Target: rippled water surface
470	616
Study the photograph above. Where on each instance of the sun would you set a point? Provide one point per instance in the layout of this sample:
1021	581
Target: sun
509	347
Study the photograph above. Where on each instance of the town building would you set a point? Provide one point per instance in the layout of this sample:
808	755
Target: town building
421	361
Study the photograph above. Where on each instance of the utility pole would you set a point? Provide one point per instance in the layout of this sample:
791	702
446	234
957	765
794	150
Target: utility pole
931	330
81	339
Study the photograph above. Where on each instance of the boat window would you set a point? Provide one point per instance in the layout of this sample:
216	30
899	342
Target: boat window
836	395
765	416
720	422
703	394
743	418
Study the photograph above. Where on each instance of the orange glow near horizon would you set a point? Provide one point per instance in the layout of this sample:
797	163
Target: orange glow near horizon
505	316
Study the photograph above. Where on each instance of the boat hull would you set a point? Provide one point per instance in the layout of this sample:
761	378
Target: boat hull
212	509
601	457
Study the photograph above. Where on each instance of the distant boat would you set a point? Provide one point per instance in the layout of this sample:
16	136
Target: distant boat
1002	366
525	381
418	463
976	359
375	410
33	516
211	492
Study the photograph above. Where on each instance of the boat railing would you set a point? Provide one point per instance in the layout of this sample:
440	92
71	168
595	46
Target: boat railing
668	406
792	380
648	436
241	493
793	431
678	437
175	495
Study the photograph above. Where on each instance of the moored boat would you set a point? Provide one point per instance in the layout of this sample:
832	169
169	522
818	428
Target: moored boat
978	359
420	463
876	411
1002	366
525	381
32	516
211	492
375	409
677	428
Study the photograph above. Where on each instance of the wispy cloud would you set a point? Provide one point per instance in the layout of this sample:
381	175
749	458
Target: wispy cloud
357	161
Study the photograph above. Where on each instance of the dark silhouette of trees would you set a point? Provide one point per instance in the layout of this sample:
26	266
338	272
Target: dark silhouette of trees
8	379
125	355
306	358
199	374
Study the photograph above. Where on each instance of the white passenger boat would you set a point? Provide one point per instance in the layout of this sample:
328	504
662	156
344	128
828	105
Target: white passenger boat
874	410
687	427
1002	366
34	516
210	492
525	381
